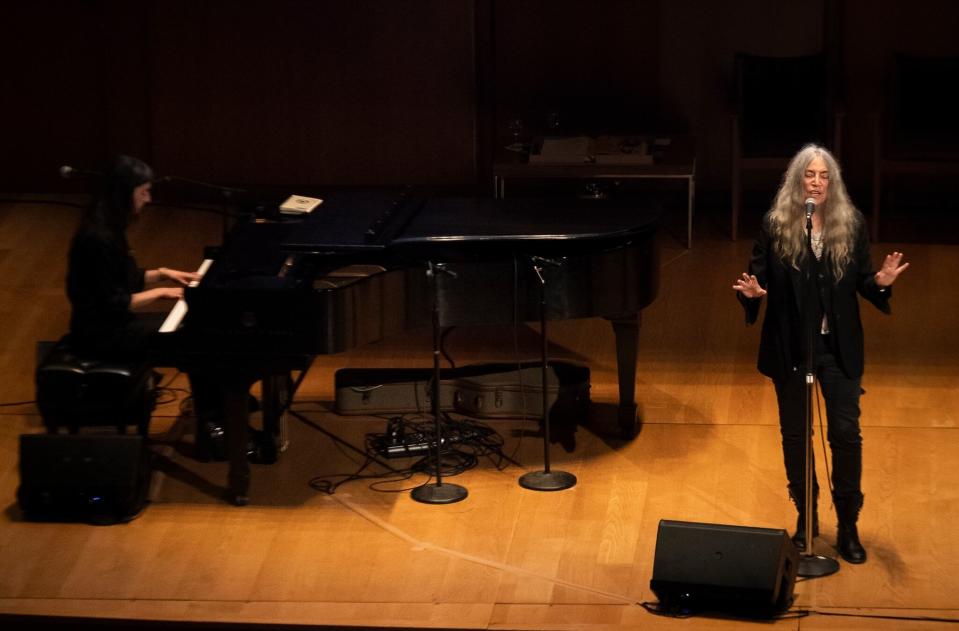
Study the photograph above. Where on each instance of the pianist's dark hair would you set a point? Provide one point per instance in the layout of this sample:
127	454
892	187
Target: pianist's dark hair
111	211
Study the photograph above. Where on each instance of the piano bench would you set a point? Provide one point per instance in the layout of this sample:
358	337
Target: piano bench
74	391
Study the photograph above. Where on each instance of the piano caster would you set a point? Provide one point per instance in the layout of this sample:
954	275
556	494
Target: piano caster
238	488
628	423
262	447
210	442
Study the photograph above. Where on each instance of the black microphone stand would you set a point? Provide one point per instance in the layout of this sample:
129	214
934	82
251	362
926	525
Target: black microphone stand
226	192
438	492
811	565
545	480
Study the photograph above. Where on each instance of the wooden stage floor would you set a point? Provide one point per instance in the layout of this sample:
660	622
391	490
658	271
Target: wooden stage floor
505	558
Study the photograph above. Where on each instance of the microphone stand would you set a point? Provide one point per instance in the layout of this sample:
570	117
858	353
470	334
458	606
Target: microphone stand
227	192
811	565
438	492
545	480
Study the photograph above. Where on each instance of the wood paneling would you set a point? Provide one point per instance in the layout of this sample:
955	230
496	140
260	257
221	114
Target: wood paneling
53	103
255	93
597	65
360	93
295	92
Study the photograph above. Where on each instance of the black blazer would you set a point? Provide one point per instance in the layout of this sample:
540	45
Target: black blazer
781	344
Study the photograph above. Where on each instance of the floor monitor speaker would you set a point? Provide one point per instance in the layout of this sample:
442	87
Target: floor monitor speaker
97	478
713	567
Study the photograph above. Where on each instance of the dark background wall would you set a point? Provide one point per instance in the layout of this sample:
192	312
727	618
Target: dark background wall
296	92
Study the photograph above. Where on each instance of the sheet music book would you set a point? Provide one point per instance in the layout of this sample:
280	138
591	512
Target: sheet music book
299	205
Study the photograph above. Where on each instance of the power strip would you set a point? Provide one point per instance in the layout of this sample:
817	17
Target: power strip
417	443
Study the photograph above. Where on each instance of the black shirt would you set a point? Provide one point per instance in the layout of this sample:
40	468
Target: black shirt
101	277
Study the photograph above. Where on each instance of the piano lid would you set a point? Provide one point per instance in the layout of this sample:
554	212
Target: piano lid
352	221
531	219
523	225
419	228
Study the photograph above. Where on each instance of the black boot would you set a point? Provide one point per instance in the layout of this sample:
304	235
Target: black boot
847	535
799	499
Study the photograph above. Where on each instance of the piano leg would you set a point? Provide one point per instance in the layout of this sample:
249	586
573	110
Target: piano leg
279	388
626	330
276	392
236	411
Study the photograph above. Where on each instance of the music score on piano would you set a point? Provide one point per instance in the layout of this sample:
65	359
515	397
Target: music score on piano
175	317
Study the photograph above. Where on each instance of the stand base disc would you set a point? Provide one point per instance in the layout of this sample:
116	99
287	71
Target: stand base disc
814	566
547	480
439	493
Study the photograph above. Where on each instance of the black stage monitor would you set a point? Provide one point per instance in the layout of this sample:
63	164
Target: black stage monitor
712	567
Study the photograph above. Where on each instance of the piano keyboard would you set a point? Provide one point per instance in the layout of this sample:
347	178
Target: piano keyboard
175	317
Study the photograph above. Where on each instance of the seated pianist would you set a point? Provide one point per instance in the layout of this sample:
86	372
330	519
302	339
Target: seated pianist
107	290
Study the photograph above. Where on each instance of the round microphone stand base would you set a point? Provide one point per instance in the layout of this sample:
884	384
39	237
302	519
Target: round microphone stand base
814	566
547	480
442	493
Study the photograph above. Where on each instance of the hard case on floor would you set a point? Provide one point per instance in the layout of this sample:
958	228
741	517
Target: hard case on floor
495	390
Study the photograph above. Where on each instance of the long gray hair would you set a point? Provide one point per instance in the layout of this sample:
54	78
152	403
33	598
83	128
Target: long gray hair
787	216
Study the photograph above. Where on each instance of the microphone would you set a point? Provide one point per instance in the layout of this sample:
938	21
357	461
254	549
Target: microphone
67	172
810	208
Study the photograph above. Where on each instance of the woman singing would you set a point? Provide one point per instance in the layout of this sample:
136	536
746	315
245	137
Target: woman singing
840	267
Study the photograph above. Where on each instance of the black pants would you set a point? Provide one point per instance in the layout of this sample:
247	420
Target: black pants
140	341
841	395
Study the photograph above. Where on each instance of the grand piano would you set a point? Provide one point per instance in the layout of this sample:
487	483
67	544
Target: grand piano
282	290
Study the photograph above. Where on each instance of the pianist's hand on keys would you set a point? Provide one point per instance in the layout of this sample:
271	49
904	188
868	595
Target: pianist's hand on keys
175	317
181	277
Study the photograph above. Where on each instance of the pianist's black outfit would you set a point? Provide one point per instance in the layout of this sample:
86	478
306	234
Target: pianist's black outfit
838	359
102	276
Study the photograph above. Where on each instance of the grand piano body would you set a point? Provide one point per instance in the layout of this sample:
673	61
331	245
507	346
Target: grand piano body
354	271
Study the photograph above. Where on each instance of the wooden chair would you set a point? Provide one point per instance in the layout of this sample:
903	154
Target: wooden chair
917	129
781	104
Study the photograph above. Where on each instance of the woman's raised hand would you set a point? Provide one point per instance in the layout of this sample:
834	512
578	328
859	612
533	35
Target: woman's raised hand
749	287
891	269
